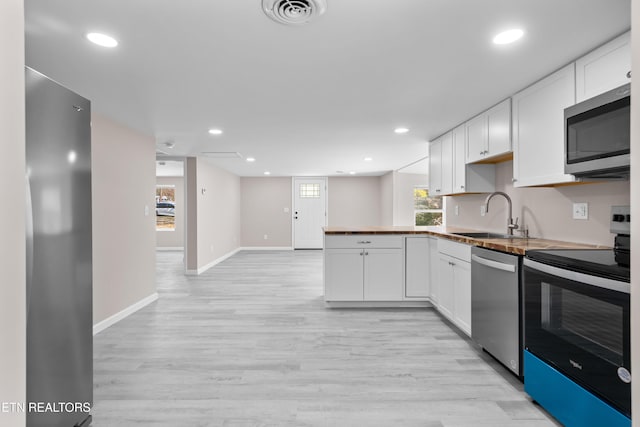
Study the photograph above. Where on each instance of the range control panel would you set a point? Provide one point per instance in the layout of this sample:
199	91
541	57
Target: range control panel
620	220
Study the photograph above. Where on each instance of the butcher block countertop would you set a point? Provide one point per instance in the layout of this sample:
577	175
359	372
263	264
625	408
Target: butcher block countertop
516	245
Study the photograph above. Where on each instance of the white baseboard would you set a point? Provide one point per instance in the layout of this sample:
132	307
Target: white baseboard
169	248
212	263
109	321
378	304
266	248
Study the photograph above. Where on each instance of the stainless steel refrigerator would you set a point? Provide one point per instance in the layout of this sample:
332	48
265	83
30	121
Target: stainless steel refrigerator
59	264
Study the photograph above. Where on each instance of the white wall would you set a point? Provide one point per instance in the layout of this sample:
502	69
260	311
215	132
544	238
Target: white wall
354	201
218	212
387	198
124	239
12	244
263	202
546	211
174	238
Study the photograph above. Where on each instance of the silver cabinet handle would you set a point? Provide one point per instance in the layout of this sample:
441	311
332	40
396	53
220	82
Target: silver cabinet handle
366	253
514	179
462	186
361	253
494	264
364	242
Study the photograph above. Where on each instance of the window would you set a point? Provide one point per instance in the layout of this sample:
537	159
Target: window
428	210
165	207
310	191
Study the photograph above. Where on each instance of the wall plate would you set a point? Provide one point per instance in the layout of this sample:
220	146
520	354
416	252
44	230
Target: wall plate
580	211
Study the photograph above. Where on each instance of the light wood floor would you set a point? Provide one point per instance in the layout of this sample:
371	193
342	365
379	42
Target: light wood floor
250	343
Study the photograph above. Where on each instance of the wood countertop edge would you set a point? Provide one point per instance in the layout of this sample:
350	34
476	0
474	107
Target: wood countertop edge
517	246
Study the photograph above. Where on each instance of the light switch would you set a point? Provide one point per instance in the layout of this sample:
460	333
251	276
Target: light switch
580	211
483	210
286	210
146	210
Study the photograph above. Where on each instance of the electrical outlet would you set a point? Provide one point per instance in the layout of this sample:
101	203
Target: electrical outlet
580	211
286	210
266	237
457	210
483	210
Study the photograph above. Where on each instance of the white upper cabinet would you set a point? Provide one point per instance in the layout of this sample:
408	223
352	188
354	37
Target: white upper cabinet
441	165
469	178
538	130
476	129
489	134
604	69
459	157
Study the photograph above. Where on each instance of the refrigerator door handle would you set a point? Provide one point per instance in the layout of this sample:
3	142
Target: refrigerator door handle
29	241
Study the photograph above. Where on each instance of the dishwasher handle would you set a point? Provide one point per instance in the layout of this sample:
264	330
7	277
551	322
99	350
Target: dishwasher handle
494	264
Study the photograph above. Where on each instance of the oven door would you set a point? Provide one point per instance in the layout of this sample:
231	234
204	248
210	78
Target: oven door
579	324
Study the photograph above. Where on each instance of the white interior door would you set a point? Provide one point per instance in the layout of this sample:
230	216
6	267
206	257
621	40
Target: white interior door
309	212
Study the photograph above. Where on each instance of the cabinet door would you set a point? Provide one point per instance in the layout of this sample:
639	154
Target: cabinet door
383	274
417	269
445	286
538	130
435	167
447	164
604	69
476	129
343	274
459	159
499	129
434	264
462	295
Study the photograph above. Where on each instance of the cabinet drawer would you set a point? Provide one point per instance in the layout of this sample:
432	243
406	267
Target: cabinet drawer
362	241
455	249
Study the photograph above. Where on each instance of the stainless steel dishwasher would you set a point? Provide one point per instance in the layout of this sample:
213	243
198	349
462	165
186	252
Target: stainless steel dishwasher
496	306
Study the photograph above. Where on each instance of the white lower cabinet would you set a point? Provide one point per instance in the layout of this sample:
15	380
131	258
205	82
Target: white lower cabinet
417	280
454	283
363	268
343	275
383	274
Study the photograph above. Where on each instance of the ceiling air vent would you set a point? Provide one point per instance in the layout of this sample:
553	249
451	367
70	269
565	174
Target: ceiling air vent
293	12
222	154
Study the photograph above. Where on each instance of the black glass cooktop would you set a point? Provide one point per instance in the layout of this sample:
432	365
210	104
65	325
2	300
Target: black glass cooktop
598	262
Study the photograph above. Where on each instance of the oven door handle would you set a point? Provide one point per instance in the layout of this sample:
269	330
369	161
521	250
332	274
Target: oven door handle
601	282
494	264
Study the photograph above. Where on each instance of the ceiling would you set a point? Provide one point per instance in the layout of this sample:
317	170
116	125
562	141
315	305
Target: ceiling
312	99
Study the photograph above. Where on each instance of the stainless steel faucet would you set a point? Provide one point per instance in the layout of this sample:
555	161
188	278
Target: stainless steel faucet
510	224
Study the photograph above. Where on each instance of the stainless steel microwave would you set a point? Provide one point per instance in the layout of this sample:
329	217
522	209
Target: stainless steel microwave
597	135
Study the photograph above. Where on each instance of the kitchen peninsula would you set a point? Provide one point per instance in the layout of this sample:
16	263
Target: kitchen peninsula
398	266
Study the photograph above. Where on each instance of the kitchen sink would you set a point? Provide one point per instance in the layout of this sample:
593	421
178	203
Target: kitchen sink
485	235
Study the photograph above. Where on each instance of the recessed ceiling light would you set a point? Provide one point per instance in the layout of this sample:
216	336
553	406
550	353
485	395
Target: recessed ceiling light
250	159
367	159
215	131
102	40
508	36
339	171
352	173
72	156
267	173
401	130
